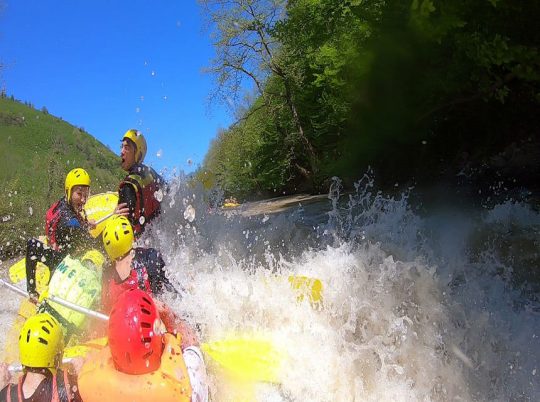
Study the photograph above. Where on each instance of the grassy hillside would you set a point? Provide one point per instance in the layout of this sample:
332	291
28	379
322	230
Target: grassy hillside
36	152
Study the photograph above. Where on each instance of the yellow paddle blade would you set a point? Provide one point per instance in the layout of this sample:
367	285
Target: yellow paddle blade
246	359
17	272
83	349
99	206
306	286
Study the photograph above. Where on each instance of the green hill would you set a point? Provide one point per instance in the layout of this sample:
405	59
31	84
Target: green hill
36	152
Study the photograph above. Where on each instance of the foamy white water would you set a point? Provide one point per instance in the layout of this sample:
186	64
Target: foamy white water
416	307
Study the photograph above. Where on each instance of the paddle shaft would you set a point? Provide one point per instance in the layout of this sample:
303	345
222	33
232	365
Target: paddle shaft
16	368
60	301
105	217
63	302
13	288
79	309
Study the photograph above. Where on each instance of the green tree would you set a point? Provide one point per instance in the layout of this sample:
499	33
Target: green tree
247	50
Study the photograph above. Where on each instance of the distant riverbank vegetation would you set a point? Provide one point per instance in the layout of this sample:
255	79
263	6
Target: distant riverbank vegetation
420	90
37	150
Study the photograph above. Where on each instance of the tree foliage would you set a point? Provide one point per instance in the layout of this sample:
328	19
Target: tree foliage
405	86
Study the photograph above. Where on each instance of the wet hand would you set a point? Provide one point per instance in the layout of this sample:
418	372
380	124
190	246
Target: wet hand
122	209
91	224
34	297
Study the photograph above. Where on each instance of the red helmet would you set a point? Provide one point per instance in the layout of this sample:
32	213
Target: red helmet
135	346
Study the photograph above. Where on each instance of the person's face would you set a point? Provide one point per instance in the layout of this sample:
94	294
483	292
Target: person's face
127	153
79	195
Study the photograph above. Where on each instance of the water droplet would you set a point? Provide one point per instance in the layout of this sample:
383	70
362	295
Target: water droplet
189	213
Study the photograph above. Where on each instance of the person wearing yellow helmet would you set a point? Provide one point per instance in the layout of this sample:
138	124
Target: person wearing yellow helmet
66	227
78	282
131	268
40	348
141	190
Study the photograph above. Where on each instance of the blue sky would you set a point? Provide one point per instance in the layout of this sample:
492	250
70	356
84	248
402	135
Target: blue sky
109	66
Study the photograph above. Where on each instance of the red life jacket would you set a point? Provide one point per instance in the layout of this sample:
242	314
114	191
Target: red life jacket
145	183
137	279
55	397
51	224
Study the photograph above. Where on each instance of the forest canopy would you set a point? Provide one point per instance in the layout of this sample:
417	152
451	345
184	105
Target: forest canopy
415	89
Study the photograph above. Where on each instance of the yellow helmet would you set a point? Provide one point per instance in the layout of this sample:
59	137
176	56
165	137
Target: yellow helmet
41	342
95	257
140	143
118	237
76	177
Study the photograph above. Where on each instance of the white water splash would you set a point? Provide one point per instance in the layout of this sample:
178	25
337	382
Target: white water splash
416	307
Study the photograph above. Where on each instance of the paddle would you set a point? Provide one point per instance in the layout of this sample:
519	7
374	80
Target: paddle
246	358
104	218
99	208
17	272
58	300
306	286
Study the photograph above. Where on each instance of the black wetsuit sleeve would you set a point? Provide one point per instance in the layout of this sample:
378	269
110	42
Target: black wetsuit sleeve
36	251
127	194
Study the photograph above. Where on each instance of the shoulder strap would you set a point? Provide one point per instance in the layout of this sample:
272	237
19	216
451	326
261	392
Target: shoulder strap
54	391
19	396
61	387
12	393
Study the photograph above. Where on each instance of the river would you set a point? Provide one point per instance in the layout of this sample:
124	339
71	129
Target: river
419	304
